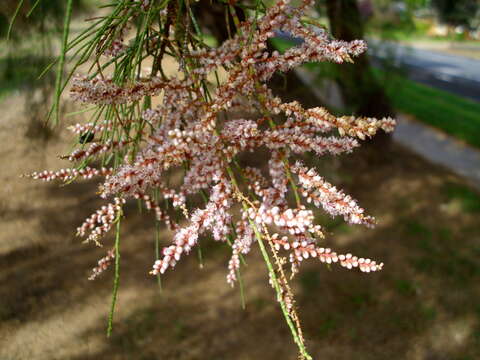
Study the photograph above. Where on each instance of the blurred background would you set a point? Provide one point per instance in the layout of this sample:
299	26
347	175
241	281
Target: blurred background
422	184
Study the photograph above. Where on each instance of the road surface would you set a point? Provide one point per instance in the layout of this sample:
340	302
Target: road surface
453	73
456	74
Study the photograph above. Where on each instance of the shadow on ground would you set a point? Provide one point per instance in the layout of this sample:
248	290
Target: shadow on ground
420	307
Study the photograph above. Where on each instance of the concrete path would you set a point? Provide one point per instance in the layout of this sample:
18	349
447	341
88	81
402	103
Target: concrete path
439	148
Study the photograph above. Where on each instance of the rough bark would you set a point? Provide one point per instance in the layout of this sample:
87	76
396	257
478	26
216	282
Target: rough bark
213	15
361	90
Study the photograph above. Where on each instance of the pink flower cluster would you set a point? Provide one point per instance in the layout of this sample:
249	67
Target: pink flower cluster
95	149
90	127
196	131
214	217
100	90
103	264
70	174
335	202
101	221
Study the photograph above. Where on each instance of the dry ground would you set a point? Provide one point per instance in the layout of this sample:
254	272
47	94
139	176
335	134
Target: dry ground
424	305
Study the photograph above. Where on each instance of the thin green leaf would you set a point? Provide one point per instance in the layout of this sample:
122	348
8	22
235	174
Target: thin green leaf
33	8
116	281
58	84
15	14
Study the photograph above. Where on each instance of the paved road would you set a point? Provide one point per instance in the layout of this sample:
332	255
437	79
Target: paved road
456	74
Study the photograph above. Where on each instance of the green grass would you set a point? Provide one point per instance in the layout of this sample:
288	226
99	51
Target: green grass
435	253
405	287
455	115
281	44
413	29
470	200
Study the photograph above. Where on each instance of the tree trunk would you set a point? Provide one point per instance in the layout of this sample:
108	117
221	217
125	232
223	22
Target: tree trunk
213	15
361	90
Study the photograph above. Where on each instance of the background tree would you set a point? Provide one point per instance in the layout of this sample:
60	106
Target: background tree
457	12
362	92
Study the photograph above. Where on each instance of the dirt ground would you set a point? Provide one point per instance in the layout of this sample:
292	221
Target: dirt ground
423	305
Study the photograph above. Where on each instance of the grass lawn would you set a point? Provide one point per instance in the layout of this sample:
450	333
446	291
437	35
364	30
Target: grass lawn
453	114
